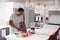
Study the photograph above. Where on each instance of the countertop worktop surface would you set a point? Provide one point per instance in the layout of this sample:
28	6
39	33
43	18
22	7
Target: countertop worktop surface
4	26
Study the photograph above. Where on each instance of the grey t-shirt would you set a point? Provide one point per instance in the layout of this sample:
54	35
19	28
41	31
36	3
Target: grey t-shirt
16	19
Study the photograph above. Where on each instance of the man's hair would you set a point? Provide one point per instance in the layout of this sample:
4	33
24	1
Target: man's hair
20	9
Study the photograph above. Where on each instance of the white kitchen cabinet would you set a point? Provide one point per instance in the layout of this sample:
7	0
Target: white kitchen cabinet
4	30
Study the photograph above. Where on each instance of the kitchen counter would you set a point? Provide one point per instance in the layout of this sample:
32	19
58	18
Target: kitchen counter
4	26
4	30
32	37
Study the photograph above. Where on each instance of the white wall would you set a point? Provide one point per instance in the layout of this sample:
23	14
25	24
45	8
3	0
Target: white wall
10	5
52	7
11	1
18	5
6	9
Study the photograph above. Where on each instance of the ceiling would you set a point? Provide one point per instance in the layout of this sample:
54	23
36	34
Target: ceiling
22	0
35	0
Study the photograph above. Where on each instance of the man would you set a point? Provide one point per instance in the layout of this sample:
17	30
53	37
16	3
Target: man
16	21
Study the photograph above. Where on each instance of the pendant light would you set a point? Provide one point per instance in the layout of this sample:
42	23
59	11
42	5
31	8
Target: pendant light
29	4
45	6
39	9
45	3
45	16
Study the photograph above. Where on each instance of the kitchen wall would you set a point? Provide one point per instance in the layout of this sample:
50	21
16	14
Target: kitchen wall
55	6
6	9
52	5
18	5
12	1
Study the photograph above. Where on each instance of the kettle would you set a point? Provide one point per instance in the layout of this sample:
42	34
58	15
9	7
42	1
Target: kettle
32	30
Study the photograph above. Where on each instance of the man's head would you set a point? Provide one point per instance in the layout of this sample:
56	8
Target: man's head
20	11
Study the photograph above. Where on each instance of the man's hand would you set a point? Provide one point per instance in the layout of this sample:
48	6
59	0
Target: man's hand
16	28
12	25
23	24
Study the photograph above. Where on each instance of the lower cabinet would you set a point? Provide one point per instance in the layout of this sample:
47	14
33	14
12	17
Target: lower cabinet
3	33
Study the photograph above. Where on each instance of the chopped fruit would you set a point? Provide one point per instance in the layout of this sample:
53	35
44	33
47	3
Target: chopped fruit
25	34
29	34
16	33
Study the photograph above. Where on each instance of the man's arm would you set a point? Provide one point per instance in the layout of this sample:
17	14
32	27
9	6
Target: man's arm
24	24
24	27
12	25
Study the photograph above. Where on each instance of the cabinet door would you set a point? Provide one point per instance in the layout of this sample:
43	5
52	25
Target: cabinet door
31	16
54	17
